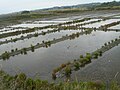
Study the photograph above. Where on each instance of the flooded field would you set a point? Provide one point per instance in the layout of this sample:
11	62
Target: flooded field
97	25
115	27
105	68
67	44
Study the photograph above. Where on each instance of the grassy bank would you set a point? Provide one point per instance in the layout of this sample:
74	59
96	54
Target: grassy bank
22	82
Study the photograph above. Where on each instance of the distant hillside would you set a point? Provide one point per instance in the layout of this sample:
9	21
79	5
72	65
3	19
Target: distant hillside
18	17
108	5
113	3
89	6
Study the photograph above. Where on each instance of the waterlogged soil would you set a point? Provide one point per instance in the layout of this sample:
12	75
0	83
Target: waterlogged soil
41	62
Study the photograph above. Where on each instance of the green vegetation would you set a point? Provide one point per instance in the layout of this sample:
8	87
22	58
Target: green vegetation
36	34
22	82
5	55
24	50
77	65
67	71
108	5
32	48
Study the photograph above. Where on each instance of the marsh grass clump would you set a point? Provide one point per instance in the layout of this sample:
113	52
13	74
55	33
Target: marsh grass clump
47	44
100	53
63	65
82	64
116	39
14	40
68	71
24	51
6	40
32	48
88	56
105	44
16	49
54	76
95	55
43	33
81	56
108	43
86	60
36	34
56	70
43	41
77	65
12	50
5	55
21	51
112	41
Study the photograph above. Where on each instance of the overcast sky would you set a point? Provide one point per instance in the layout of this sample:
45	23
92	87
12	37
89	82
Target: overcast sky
8	6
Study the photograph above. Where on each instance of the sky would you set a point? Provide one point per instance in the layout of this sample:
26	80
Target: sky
8	6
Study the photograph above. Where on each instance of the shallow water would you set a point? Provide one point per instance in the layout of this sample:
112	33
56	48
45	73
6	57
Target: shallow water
44	60
115	27
87	21
25	34
34	40
41	62
98	24
31	25
106	68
